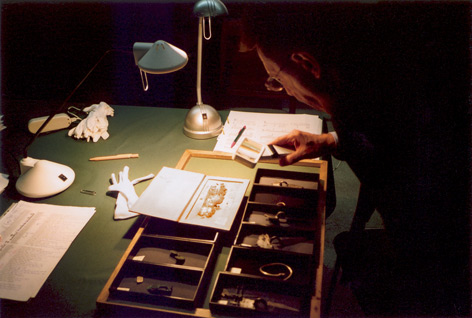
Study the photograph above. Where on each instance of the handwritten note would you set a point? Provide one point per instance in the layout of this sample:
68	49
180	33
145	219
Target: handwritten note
264	127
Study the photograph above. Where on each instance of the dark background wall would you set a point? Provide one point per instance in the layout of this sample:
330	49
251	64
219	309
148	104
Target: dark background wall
47	48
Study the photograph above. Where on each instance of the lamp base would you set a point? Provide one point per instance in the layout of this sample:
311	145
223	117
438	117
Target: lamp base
202	122
43	178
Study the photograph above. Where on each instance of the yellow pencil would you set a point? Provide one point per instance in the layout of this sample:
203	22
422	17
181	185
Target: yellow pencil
114	157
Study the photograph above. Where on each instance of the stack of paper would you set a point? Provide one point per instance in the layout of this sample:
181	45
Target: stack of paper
34	237
264	127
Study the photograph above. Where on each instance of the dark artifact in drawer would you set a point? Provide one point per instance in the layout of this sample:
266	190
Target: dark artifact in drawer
280	216
284	196
271	264
282	178
244	295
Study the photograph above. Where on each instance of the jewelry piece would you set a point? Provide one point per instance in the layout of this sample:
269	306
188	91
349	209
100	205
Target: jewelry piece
264	241
281	203
179	260
280	217
263	269
281	183
286	184
215	196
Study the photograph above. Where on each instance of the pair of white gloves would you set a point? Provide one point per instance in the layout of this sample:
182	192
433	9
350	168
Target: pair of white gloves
95	125
126	194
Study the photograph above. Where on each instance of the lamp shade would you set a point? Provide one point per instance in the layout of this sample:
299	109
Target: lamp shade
209	8
43	178
161	58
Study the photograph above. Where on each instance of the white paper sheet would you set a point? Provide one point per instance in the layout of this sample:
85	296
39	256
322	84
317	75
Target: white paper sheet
34	237
168	194
264	127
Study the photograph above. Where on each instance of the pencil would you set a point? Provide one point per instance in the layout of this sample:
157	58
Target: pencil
238	136
114	157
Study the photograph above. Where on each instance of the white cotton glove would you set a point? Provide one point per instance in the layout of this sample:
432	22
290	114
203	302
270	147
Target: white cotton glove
126	194
95	125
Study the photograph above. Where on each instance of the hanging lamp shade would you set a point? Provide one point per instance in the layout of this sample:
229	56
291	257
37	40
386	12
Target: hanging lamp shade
209	8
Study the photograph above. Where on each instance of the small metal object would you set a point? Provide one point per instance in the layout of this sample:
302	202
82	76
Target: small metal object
89	192
160	290
281	183
139	279
179	260
260	304
280	217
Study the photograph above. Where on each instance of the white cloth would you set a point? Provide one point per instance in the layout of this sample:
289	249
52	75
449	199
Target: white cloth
126	194
95	125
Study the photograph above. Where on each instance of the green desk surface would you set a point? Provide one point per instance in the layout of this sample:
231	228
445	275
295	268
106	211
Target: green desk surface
156	134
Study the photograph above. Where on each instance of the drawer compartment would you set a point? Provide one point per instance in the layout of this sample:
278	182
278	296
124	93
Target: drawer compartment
242	295
159	285
156	250
284	196
280	216
283	178
254	236
271	264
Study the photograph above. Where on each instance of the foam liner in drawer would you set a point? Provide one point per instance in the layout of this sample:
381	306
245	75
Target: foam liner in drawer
165	228
161	250
280	216
284	178
146	283
283	196
243	295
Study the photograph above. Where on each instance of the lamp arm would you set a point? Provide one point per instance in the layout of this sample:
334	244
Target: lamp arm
199	62
63	105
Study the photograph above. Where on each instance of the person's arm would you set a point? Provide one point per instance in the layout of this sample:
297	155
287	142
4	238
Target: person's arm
305	146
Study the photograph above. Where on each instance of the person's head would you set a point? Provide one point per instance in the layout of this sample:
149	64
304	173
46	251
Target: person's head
301	51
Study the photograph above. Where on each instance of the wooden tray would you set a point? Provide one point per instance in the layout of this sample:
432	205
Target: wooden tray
218	163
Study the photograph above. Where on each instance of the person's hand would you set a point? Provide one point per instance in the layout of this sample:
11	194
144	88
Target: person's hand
305	146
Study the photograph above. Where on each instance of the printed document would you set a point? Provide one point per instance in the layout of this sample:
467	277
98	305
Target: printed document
34	237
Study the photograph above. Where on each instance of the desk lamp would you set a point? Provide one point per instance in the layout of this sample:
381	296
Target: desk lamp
203	121
159	57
